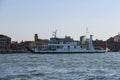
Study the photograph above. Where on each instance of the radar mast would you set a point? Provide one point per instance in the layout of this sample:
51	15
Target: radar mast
54	33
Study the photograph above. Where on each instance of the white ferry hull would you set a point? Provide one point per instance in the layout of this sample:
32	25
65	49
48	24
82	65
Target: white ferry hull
50	51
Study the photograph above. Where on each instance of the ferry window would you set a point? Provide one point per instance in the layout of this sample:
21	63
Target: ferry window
58	46
68	47
74	46
68	42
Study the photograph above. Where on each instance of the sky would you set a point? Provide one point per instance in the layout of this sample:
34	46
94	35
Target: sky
21	19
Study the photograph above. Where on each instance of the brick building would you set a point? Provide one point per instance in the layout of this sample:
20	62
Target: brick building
5	43
40	42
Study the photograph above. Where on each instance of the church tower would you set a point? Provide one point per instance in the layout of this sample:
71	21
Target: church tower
36	37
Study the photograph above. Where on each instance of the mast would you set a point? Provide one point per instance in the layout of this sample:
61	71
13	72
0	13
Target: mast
86	33
54	34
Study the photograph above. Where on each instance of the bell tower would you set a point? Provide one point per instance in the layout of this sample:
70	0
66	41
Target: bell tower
36	37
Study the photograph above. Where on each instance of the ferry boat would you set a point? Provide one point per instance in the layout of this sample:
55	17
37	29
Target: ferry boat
67	45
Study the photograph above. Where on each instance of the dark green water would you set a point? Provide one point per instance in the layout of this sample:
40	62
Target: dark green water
97	66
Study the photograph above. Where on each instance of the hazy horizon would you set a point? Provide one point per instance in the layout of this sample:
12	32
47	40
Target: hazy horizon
21	19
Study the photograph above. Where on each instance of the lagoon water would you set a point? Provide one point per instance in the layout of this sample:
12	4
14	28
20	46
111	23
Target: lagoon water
96	66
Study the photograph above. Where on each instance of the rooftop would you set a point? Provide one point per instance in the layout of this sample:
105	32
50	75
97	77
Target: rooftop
4	36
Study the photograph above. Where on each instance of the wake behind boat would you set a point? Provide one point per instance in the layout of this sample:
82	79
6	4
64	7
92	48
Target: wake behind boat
67	45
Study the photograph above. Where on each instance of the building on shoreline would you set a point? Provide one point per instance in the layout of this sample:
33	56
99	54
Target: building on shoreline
39	43
5	43
22	47
113	43
6	46
117	38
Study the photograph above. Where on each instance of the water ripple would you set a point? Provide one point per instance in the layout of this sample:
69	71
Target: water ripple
60	66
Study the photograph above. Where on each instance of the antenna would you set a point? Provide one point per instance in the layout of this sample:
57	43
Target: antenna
54	33
86	32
